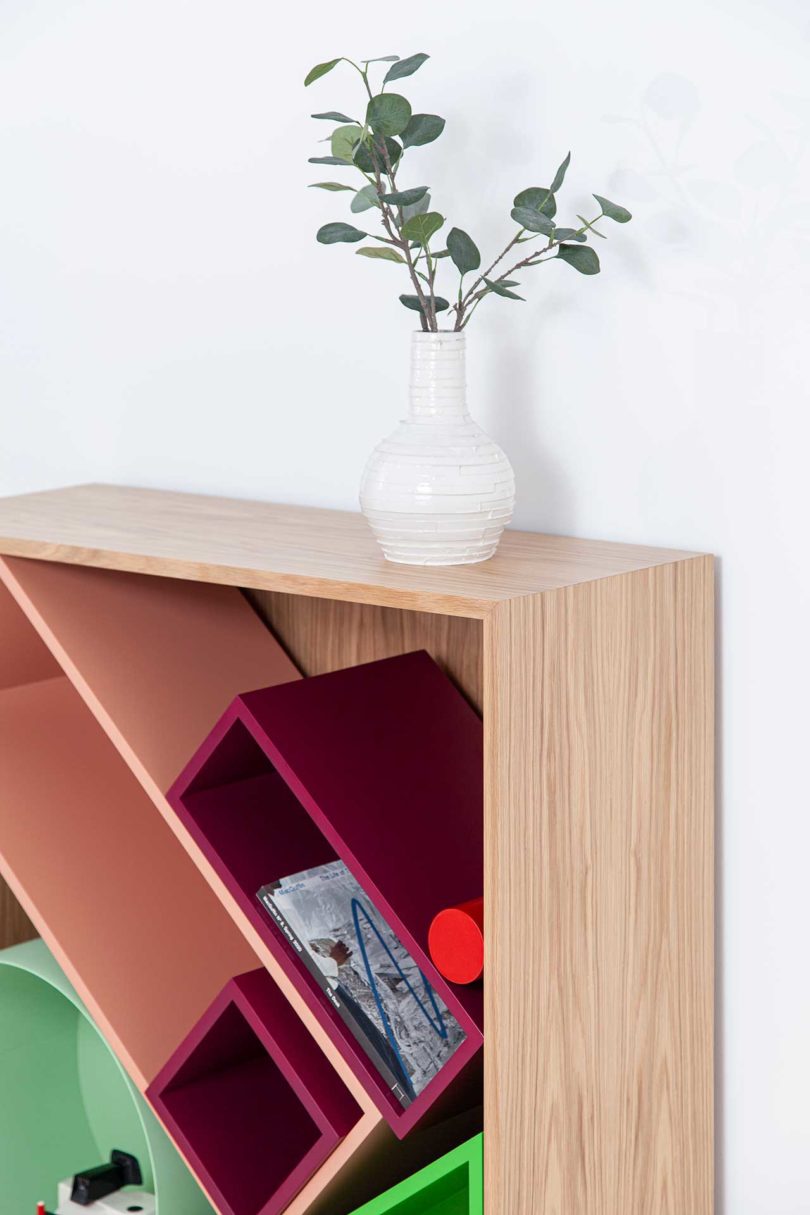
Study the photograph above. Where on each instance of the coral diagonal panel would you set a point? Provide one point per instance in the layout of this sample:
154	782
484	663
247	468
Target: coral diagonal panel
158	660
135	927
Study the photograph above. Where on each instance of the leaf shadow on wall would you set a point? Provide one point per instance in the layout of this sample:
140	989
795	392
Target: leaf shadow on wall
545	498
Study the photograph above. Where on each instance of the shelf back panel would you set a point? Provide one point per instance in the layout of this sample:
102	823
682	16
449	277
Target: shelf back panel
323	635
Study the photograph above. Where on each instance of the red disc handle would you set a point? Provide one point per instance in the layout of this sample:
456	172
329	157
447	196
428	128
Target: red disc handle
456	942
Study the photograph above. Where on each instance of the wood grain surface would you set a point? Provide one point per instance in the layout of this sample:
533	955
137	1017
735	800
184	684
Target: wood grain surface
323	635
323	553
599	828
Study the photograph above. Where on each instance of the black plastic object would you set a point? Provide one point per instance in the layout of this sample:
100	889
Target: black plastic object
104	1179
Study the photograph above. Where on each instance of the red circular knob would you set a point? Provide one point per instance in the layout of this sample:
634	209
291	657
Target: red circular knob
456	942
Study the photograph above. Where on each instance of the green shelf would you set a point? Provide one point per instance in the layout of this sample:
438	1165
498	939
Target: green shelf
65	1100
452	1185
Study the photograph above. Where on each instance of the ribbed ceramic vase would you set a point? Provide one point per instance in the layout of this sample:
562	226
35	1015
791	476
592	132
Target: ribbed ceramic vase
438	491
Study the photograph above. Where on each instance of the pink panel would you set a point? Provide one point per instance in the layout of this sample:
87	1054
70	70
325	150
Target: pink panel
157	659
129	917
23	656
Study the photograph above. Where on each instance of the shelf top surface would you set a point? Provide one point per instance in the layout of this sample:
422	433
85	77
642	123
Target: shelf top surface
297	549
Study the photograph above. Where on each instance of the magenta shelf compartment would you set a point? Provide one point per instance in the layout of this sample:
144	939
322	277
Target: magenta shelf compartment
251	1100
379	765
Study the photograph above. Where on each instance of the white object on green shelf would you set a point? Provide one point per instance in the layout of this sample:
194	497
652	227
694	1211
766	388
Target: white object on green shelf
65	1099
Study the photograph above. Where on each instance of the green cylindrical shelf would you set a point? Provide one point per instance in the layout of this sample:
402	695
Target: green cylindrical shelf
65	1100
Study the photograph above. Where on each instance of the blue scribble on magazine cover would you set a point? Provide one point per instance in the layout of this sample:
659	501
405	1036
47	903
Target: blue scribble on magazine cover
369	977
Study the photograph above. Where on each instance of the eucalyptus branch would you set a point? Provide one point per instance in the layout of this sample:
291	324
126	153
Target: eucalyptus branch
401	242
377	142
488	273
431	265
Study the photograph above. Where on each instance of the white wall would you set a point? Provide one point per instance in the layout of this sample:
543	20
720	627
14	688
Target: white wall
166	318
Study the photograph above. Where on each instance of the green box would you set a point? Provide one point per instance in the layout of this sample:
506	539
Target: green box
453	1185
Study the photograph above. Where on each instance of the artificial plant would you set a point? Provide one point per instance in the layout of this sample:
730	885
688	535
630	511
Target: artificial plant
375	146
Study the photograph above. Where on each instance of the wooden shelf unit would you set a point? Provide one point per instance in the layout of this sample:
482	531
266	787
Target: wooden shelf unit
593	665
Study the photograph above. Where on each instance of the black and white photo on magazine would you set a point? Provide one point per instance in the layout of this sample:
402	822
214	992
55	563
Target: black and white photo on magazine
369	977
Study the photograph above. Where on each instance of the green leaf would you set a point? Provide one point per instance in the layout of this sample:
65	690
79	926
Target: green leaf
362	154
418	208
613	211
405	67
569	234
331	234
333	116
582	257
406	198
422	129
334	186
412	301
421	227
535	221
559	176
500	289
463	251
319	70
388	114
383	252
344	141
329	160
382	59
365	199
537	198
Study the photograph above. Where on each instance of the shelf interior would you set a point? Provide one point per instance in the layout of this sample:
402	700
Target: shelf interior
250	817
240	1114
253	1100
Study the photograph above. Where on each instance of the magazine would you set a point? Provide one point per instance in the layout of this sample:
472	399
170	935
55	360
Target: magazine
365	972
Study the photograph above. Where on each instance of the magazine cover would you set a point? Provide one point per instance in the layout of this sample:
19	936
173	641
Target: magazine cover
368	976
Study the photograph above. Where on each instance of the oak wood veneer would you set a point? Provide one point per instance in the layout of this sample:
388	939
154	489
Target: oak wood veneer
595	662
327	554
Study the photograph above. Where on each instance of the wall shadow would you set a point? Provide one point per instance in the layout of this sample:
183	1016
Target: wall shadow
545	494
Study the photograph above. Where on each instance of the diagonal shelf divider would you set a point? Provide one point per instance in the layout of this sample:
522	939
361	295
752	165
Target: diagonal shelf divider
119	678
120	905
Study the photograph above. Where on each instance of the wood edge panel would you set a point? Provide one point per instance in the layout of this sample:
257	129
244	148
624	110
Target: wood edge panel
298	549
599	726
248	578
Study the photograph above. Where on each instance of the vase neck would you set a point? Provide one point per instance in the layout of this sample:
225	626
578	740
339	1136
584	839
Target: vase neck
438	381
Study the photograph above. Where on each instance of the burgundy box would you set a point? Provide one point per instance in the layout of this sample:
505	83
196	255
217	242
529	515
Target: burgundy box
251	1099
380	766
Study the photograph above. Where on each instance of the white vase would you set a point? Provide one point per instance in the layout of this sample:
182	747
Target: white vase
438	491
